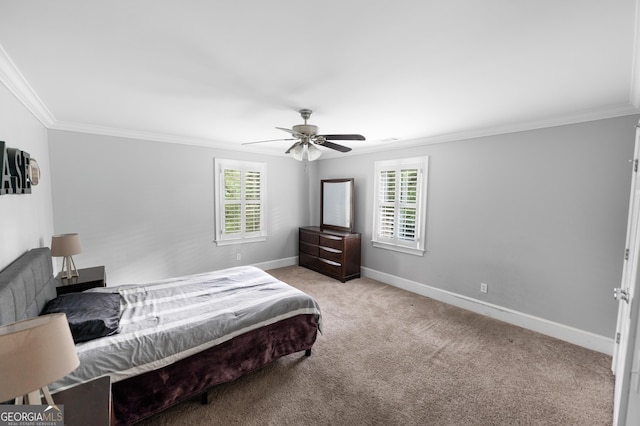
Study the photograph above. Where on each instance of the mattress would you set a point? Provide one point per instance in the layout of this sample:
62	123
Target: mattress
166	321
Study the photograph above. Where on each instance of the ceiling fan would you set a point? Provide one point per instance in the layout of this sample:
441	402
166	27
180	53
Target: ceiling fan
307	139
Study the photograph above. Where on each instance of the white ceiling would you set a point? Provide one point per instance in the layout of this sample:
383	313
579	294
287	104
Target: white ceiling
401	72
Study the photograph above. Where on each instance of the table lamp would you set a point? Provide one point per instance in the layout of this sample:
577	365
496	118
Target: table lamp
34	353
65	246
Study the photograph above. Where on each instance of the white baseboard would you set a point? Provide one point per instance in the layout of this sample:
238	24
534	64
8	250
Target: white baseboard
559	331
278	263
569	334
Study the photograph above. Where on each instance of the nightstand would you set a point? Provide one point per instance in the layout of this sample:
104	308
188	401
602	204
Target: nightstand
87	403
88	278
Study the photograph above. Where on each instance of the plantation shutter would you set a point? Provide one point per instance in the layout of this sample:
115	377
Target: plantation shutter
386	209
241	200
399	204
252	214
232	201
407	207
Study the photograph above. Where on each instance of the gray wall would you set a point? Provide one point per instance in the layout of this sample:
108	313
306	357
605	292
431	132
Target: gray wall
26	221
145	209
538	215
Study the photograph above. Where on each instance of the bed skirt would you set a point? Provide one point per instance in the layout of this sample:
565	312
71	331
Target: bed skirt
142	396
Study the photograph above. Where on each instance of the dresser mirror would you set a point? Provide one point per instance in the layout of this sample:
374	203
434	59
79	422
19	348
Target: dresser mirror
336	204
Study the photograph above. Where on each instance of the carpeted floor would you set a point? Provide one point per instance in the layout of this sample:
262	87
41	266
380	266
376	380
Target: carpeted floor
389	357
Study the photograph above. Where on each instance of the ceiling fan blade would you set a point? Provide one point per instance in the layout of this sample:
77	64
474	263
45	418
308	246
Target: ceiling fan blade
335	146
291	147
270	140
293	132
343	137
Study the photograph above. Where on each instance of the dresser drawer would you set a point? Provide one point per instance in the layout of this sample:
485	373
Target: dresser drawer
307	261
330	254
309	237
329	267
331	241
308	248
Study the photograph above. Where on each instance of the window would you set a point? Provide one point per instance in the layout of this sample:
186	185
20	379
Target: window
240	200
400	204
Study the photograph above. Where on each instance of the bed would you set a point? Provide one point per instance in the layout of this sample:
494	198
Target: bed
175	338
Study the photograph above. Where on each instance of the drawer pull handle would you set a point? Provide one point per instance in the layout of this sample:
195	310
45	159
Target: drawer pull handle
329	262
331	250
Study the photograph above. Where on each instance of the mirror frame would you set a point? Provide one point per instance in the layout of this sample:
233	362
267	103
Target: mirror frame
337	227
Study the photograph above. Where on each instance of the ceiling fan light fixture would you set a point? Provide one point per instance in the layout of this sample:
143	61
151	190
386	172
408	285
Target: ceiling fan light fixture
313	153
297	152
305	151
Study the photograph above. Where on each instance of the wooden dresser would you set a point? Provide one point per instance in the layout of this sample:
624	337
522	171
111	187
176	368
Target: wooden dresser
332	253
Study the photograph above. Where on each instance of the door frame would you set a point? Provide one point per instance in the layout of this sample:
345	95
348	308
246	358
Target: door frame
623	361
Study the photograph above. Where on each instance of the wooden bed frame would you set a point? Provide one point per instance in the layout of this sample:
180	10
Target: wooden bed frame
28	284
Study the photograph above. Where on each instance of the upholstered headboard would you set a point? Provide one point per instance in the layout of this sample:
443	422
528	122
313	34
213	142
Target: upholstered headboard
26	286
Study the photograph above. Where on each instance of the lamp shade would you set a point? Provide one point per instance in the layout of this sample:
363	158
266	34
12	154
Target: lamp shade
34	353
65	245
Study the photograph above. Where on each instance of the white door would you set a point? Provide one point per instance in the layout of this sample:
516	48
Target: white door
627	326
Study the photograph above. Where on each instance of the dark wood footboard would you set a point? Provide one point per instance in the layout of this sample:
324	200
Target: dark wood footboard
142	396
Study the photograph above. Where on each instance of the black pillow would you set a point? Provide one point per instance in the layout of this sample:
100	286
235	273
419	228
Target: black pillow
90	315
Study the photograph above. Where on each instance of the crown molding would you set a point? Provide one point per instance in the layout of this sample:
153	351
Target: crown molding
603	113
611	111
137	134
11	77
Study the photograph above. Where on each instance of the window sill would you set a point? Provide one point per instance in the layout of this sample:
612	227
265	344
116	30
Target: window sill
401	249
239	241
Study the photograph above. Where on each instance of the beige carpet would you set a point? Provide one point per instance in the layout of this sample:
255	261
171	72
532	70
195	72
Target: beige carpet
389	357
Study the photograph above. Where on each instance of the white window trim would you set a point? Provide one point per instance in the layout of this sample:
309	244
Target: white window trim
417	248
221	164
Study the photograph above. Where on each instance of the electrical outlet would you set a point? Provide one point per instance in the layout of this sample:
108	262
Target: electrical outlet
238	256
484	288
